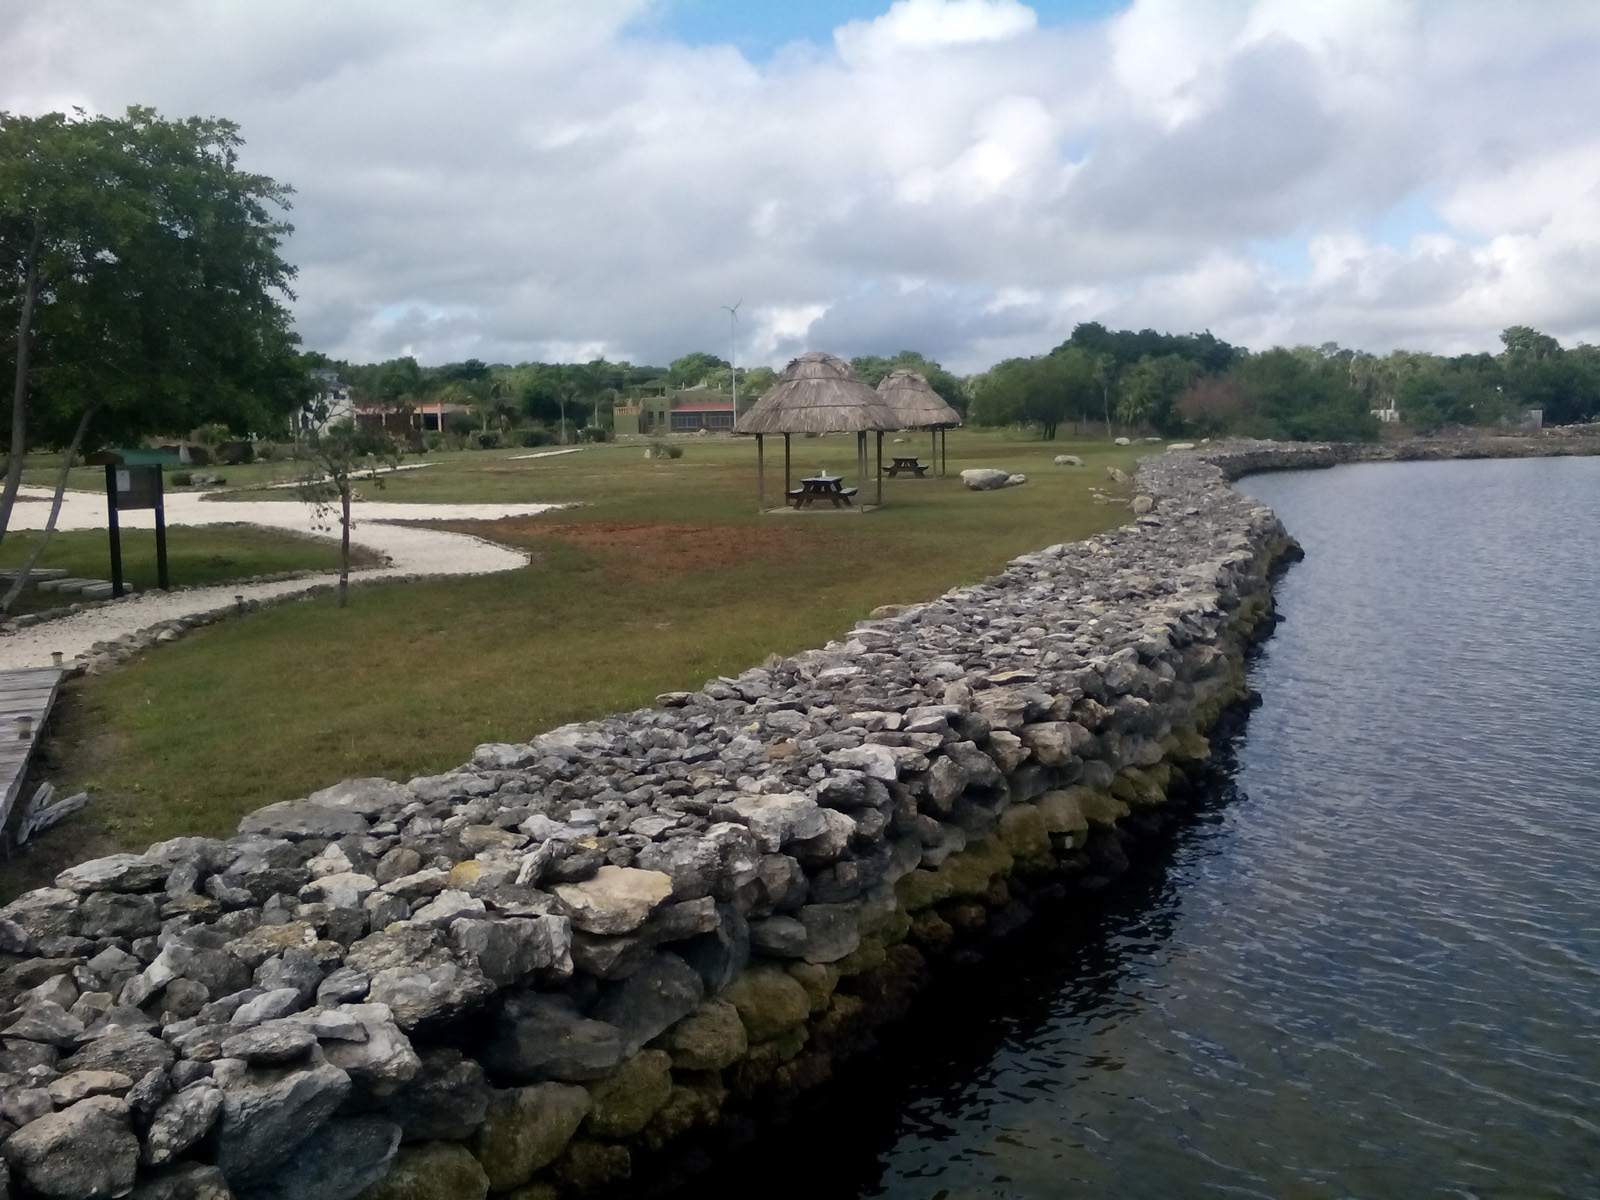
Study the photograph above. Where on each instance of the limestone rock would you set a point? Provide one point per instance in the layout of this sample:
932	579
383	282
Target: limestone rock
447	1098
382	1060
182	1121
985	479
270	1042
115	873
132	1053
86	1152
337	1162
777	819
617	900
831	931
80	1085
183	1181
1068	460
266	1114
526	1129
544	1037
298	819
661	993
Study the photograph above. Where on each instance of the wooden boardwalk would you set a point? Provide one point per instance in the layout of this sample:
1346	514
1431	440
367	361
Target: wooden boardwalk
25	693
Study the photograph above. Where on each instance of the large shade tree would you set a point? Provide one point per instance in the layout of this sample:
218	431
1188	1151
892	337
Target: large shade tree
141	285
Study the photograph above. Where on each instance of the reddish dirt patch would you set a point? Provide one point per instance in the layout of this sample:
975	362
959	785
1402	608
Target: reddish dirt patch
640	550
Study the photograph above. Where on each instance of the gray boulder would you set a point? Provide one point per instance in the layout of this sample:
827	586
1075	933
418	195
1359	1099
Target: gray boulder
299	819
447	1099
181	1122
267	1114
544	1037
338	1162
183	1181
382	1060
115	873
658	995
86	1152
132	1052
987	479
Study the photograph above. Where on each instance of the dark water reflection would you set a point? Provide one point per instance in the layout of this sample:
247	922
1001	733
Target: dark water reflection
1373	969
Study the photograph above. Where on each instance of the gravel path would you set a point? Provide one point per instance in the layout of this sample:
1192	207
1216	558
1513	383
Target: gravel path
410	551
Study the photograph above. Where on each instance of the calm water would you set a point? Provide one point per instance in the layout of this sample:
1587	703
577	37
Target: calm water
1371	966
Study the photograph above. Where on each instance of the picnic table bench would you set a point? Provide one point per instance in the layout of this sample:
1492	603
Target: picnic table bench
820	487
905	463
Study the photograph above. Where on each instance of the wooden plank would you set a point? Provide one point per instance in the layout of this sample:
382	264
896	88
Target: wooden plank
29	692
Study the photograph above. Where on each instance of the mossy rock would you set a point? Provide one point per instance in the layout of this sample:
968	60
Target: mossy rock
690	1106
625	1100
770	1001
464	874
1101	810
818	979
1023	832
526	1129
932	932
920	889
1061	812
431	1171
708	1039
1138	787
970	871
868	956
589	1166
532	1191
1187	746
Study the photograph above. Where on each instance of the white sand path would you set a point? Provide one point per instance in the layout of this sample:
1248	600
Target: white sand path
410	551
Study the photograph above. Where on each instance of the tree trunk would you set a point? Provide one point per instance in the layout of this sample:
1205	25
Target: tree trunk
344	542
19	391
21	580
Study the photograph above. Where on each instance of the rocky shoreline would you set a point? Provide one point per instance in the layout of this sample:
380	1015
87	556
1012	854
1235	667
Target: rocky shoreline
526	975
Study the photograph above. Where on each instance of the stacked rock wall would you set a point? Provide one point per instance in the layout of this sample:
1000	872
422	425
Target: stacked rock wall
530	975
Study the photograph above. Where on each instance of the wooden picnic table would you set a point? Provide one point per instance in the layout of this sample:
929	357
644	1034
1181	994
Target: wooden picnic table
821	487
906	462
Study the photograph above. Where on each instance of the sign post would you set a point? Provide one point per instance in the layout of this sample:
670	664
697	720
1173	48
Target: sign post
129	488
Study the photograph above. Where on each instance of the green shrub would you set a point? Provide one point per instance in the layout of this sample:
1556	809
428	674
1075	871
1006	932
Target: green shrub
533	437
181	478
489	441
663	450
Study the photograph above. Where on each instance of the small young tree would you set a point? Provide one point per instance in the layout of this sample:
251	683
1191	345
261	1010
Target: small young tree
339	457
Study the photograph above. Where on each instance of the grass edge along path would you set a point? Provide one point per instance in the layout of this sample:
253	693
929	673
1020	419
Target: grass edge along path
663	579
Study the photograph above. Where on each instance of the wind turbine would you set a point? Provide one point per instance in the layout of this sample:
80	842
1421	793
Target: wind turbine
733	352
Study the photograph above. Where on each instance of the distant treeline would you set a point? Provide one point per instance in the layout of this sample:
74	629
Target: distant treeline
1197	384
1172	384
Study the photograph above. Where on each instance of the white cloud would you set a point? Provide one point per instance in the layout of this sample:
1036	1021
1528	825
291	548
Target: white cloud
514	180
922	25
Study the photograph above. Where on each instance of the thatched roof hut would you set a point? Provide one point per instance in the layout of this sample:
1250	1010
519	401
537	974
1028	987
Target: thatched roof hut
819	393
915	402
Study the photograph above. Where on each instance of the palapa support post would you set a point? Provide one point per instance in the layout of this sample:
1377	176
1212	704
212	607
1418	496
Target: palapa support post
161	534
787	482
861	465
880	468
115	531
761	476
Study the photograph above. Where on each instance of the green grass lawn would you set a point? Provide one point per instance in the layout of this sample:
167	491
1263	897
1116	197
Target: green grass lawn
196	555
664	576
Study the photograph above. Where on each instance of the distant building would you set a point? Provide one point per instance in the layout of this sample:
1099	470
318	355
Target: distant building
331	404
690	410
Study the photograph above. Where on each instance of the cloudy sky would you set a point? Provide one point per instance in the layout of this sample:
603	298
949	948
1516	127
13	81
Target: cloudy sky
558	179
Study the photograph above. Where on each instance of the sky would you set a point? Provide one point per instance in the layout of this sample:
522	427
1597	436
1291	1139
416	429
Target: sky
513	180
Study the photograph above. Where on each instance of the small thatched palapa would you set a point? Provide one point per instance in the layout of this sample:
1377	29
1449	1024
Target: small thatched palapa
916	403
819	393
920	407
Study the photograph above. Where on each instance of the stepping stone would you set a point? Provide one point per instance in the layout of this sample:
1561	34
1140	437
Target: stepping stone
69	584
101	590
